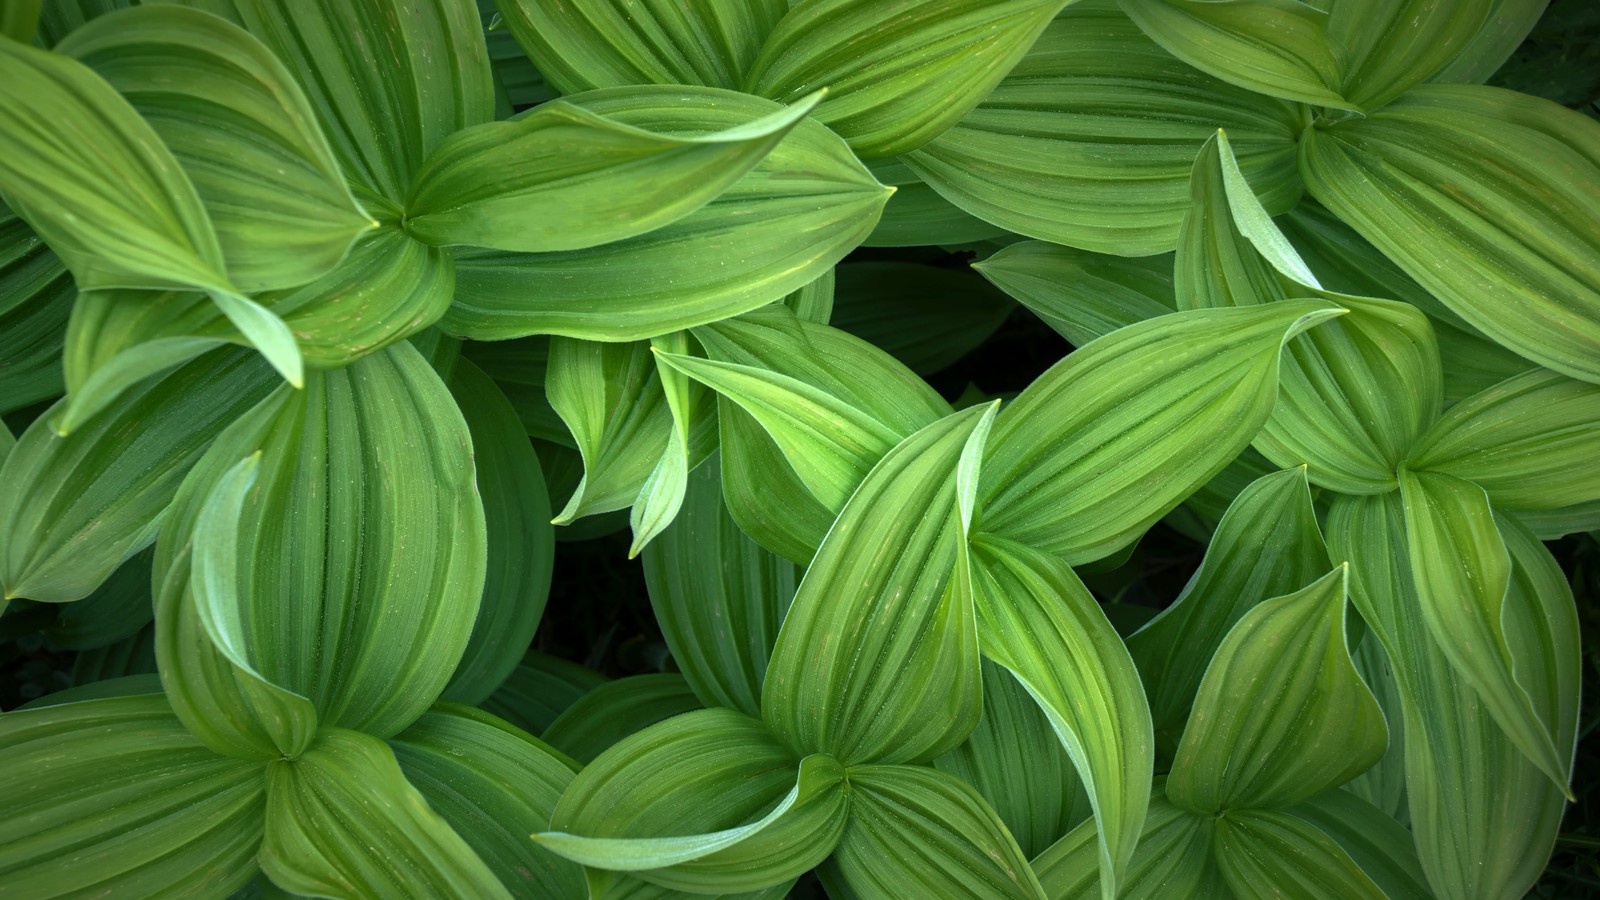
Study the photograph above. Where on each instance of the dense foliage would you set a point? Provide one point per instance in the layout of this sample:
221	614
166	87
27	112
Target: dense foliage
350	351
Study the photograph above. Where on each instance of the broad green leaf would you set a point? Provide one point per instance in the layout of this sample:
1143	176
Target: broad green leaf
707	802
1280	48
343	822
539	689
362	546
920	832
119	686
1081	295
1383	785
128	660
1391	45
1173	859
877	660
1376	843
899	73
612	711
388	79
1016	762
494	785
1282	714
916	216
1424	181
519	368
1089	140
1039	621
718	596
1484	816
1264	855
764	494
243	131
605	43
565	178
1529	441
73	508
114	798
779	228
692	408
1267	545
1462	570
115	611
813	302
20	20
36	295
521	543
1508	24
925	316
1162	405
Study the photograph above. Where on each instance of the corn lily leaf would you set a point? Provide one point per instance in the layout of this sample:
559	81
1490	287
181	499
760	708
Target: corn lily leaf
19	21
718	596
925	316
564	178
462	761
706	802
1266	545
612	711
1421	180
381	447
1483	815
114	796
1389	47
388	81
1280	48
521	543
539	689
1463	570
916	216
691	406
1163	404
1283	672
839	682
343	822
921	832
1383	785
1017	764
1508	24
36	296
1089	141
1264	854
1039	621
73	508
1173	859
1081	295
898	73
1557	523
1527	442
117	610
1380	846
602	43
519	368
755	474
244	132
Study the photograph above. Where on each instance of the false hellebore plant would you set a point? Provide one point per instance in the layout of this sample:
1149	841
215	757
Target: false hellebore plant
302	302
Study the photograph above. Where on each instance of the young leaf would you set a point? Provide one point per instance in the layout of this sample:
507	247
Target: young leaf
877	660
564	178
915	831
1264	854
1163	405
115	797
342	821
899	73
605	715
1391	46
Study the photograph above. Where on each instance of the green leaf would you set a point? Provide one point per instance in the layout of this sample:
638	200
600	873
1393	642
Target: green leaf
1163	404
690	405
718	596
1089	140
783	225
707	802
1081	295
1383	785
73	508
20	20
1379	845
1282	714
612	711
117	609
494	785
343	822
920	832
1423	180
521	543
539	689
925	316
564	178
1527	441
1038	620
1484	816
877	660
369	629
243	131
388	79
114	797
1173	859
1462	571
916	216
519	368
1016	762
898	73
1388	46
1264	854
36	296
1267	545
603	43
1508	24
1280	48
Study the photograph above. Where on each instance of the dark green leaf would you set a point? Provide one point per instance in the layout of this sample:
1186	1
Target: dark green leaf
612	711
